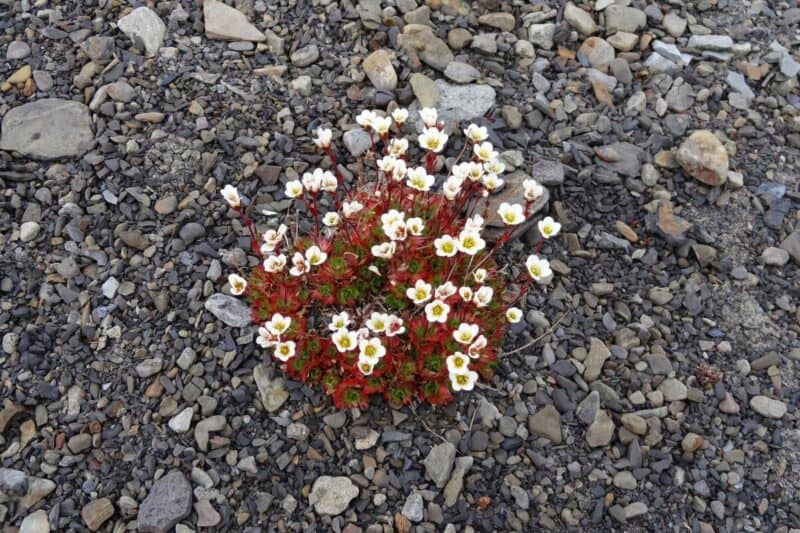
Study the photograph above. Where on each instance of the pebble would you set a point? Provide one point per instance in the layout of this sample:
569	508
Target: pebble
332	495
181	422
168	502
439	463
96	513
768	407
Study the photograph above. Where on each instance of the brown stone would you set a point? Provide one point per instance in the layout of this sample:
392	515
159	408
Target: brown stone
704	157
546	423
96	512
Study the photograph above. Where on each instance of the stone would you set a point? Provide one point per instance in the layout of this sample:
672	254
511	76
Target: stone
588	408
546	422
674	24
431	50
120	91
456	483
460	103
634	423
17	50
28	231
729	405
231	311
425	89
624	480
35	523
20	76
548	173
598	353
38	488
380	71
768	407
635	509
791	244
579	19
226	23
79	443
439	463
461	72
541	35
303	57
513	192
181	422
623	41
98	48
207	516
597	52
737	82
149	366
622	157
272	392
13	482
168	502
623	18
501	21
49	128
96	513
601	430
659	295
673	390
357	141
144	28
413	508
715	43
331	495
692	442
704	157
774	256
206	426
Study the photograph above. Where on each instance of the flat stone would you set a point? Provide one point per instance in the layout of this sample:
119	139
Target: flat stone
149	366
673	390
357	141
541	35
579	19
181	422
791	244
425	89
17	50
206	426
502	21
331	495
272	392
622	157
715	43
432	51
623	18
513	192
588	408
461	72
598	353
439	463
144	28
35	523
303	57
207	516
601	431
546	422
380	71
548	173
414	507
454	486
231	311
624	480
13	482
49	128
226	23
96	513
38	488
768	407
597	52
704	157
674	24
168	502
79	443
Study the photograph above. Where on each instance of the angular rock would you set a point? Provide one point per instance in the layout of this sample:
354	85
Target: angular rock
546	422
715	43
501	21
331	495
425	89
96	512
144	28
305	56
542	35
13	482
49	128
623	18
601	431
461	72
206	426
459	103
588	408
357	141
622	157
704	157
431	50
414	507
380	71
207	516
453	487
181	422
37	522
38	488
673	390
168	502
231	311
598	353
597	52
271	391
791	244
439	463
226	23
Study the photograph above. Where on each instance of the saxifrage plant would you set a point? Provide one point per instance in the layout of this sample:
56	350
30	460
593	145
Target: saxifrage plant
394	292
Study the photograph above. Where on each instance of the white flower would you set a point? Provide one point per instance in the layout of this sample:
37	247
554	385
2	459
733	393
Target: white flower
398	147
474	223
451	187
294	189
394	326
475	348
465	381
468	170
539	269
400	115
446	246
511	214
415	226
340	321
329	181
533	189
300	265
331	219
377	322
466	333
374	270
399	171
284	350
323	138
366	118
484	151
466	293
362	333
272	238
238	284
419	179
494	167
365	367
312	181
351	208
513	314
265	338
345	340
392	216
437	311
470	242
396	231
445	291
371	350
457	363
433	140
315	256
278	324
483	296
479	275
275	263
549	227
420	292
384	250
381	125
231	196
428	116
386	163
492	182
476	133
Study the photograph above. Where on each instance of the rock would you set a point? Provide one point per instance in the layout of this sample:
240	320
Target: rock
673	390
226	23
635	509
622	157
624	480
413	507
380	71
425	89
674	24
206	426
357	141
13	482
439	463
17	50
207	516
28	231
149	366
671	52
768	407
35	523
96	512
704	157
623	18
181	422
579	19
460	103
20	76
659	295
271	391
729	405
231	311
144	28
501	21
773	256
49	128
331	495
120	91
432	51
680	96
692	442
715	43
601	431
514	193
737	82
598	353
168	502
634	423
670	225
305	56
623	41
546	422
588	408
453	487
597	52
98	48
542	35
461	72
548	173
79	443
38	488
791	244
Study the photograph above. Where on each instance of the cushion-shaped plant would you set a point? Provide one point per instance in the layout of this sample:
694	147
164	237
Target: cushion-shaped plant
394	291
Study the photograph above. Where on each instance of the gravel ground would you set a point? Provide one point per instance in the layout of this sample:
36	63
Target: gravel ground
661	391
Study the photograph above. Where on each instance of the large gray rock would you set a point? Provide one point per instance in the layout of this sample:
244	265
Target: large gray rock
768	407
228	24
144	28
459	103
49	128
271	392
380	71
331	495
513	193
431	50
169	501
623	18
232	311
439	463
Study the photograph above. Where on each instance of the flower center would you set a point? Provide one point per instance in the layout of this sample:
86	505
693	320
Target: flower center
461	380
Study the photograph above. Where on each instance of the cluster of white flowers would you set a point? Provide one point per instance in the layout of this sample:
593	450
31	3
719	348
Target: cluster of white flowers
269	336
366	339
313	183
